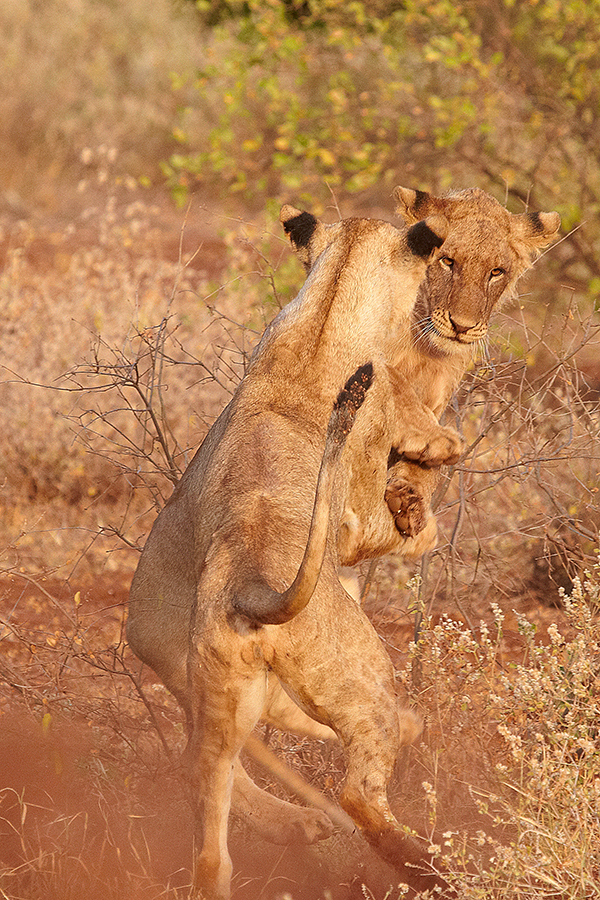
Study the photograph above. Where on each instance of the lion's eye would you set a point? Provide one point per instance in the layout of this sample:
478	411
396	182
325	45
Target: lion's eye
447	262
496	273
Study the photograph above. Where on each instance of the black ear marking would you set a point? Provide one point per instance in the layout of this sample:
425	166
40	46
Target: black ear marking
301	228
537	226
422	240
420	199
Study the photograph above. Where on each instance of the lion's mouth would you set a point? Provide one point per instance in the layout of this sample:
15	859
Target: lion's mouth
437	342
450	335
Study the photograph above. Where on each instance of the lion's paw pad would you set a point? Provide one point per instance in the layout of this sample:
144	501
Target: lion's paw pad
407	507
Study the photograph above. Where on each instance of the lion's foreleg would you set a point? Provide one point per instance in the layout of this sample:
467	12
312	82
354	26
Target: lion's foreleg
408	495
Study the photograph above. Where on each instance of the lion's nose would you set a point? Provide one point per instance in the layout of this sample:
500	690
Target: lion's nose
461	327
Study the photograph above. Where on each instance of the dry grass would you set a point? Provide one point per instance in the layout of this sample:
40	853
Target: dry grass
527	733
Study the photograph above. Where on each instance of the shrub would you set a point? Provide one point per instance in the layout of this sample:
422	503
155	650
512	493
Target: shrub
350	96
525	727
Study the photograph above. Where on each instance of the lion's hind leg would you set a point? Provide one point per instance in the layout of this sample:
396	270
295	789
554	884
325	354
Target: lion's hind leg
227	687
281	711
228	701
343	675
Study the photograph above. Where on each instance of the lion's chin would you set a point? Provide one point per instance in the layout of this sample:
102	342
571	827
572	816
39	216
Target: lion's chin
436	344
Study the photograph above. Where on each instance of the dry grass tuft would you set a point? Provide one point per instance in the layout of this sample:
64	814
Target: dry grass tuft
515	738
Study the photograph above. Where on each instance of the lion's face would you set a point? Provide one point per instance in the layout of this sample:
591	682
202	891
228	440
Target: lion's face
464	283
485	250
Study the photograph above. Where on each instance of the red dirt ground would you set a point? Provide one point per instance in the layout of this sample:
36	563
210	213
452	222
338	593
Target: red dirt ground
103	821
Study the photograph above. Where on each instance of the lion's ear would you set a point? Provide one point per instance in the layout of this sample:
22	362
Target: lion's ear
306	233
425	236
299	226
537	230
414	206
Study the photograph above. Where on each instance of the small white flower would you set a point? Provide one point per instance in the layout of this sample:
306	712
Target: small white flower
554	634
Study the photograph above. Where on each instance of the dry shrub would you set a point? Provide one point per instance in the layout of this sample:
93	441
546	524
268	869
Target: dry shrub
520	516
111	322
516	745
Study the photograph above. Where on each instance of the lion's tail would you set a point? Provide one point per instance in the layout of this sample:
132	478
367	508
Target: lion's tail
259	602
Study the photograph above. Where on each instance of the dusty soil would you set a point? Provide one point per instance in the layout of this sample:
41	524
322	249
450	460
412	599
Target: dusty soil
85	785
72	793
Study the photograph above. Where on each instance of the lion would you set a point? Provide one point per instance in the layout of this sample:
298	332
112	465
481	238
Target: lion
485	251
237	589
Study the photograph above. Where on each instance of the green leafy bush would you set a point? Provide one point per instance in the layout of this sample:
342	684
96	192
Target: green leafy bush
350	97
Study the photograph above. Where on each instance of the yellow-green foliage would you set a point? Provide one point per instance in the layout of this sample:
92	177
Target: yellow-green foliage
299	98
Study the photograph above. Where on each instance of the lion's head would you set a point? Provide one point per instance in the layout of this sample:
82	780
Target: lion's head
485	250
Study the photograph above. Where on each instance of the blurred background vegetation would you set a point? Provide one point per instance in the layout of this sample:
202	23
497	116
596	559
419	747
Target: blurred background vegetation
260	100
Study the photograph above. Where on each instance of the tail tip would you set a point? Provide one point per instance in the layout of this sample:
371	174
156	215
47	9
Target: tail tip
349	401
355	390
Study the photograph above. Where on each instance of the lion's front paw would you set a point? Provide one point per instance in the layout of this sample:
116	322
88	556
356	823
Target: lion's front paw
441	446
407	507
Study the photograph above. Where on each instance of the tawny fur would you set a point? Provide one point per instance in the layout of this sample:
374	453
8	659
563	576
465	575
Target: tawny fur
485	250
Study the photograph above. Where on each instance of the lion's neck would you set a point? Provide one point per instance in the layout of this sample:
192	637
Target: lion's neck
434	377
343	317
